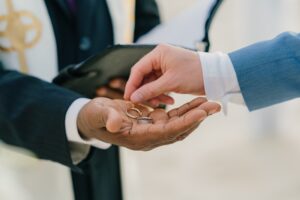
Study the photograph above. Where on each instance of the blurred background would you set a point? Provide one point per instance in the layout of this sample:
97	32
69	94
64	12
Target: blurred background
239	156
236	156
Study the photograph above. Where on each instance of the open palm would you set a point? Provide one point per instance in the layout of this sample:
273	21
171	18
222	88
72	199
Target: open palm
117	128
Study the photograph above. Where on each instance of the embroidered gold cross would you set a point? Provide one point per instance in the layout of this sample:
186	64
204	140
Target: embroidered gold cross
18	24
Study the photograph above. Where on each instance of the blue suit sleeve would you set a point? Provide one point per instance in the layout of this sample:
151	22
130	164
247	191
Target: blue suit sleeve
269	72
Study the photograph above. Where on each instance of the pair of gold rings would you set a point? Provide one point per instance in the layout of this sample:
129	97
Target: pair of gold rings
138	115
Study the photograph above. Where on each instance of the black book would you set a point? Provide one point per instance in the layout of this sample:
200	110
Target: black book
98	70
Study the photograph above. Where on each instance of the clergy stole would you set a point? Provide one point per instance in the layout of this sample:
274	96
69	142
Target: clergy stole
27	41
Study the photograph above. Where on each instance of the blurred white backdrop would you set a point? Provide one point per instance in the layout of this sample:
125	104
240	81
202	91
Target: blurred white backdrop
239	156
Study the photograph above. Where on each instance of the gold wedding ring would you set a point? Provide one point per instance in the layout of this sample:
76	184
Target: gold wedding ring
138	116
136	111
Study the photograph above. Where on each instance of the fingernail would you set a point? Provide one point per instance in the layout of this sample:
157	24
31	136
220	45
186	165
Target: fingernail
136	97
155	103
213	112
202	118
101	91
115	84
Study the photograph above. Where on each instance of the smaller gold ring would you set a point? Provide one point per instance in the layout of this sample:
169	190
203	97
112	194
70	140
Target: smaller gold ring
139	113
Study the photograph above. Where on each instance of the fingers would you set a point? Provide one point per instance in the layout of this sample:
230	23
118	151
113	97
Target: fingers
142	68
151	90
109	93
118	84
189	116
124	105
142	137
112	120
167	65
179	138
165	99
162	99
114	90
193	115
159	116
180	125
147	136
168	131
210	107
187	107
154	102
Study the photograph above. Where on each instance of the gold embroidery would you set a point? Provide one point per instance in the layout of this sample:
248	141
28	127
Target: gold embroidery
16	32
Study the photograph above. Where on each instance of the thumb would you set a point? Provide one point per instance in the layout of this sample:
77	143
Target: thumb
112	120
151	90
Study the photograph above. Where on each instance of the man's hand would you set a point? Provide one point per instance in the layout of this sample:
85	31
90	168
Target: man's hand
114	90
106	120
165	69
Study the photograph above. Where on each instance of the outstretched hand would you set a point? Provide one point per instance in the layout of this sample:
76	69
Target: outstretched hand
165	69
106	120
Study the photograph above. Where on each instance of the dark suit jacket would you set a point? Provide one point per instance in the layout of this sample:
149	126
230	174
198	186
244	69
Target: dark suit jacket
32	112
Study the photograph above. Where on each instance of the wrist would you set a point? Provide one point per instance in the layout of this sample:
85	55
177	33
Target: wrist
82	125
74	118
199	82
78	127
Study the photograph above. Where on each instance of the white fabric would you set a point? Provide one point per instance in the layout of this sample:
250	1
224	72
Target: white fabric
23	177
186	29
220	81
45	67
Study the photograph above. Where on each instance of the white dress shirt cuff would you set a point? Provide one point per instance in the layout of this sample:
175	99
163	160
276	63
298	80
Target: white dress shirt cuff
220	81
78	146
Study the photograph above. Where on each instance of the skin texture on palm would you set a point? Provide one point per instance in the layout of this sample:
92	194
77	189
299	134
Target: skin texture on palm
106	120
